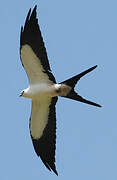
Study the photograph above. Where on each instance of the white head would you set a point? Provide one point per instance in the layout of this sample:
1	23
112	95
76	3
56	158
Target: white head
25	93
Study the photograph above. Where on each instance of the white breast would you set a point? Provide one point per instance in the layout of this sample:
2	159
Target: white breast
41	89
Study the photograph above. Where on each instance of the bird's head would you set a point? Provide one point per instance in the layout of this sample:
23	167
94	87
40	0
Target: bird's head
21	94
25	93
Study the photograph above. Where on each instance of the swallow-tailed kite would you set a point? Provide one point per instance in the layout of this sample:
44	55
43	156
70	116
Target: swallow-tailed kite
43	90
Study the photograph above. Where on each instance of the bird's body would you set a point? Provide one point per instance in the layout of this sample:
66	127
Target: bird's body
43	90
35	91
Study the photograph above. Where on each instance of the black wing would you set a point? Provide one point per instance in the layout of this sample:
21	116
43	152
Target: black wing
45	146
31	35
33	52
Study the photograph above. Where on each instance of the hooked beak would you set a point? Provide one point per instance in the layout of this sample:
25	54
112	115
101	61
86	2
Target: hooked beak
21	94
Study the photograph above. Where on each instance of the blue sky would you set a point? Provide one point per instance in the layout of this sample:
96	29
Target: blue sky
77	35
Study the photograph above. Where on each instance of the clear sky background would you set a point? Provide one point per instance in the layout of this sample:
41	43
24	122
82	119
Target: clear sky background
78	35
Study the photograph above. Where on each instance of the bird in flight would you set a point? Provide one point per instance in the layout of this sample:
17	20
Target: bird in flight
43	90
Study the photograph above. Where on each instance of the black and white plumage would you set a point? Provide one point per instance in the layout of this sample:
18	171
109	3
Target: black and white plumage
43	90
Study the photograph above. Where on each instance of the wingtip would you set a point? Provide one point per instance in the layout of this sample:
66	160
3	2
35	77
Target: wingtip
54	170
34	10
50	167
92	68
99	105
28	13
35	7
27	18
56	173
96	66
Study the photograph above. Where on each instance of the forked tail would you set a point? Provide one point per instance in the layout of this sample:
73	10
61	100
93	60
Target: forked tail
72	82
